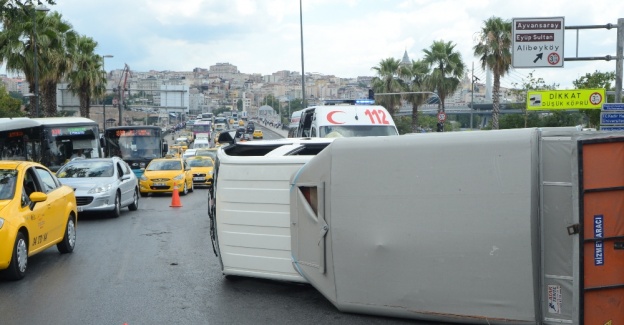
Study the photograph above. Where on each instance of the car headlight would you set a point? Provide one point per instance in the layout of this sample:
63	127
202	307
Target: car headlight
1	223
210	173
101	189
144	178
179	177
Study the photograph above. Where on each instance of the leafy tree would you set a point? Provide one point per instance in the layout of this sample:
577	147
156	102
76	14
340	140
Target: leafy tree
494	50
447	69
9	106
520	91
388	81
239	104
596	79
417	74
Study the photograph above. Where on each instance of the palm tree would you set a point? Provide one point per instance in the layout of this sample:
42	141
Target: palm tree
16	45
85	78
56	40
388	81
494	52
447	69
417	74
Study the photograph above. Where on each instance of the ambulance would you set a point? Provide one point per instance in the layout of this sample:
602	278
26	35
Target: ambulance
346	118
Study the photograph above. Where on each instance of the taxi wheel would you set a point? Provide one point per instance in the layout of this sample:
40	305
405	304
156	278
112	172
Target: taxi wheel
117	209
185	189
192	187
69	240
19	260
135	202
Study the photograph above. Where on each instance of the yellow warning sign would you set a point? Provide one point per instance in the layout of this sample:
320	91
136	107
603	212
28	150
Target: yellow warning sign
540	100
609	323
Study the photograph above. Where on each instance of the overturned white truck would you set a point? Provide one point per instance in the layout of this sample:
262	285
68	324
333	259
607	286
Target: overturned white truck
518	226
250	221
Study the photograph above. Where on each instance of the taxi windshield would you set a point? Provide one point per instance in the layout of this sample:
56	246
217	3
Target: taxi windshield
164	165
7	183
200	162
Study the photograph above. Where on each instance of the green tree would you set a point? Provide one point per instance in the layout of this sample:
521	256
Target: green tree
494	51
447	69
388	81
16	44
56	40
417	74
9	106
14	8
239	105
520	91
596	79
85	78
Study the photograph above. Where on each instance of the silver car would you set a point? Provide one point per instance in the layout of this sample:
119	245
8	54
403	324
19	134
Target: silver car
101	184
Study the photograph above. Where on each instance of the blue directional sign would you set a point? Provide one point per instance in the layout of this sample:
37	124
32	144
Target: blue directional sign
613	107
615	118
612	128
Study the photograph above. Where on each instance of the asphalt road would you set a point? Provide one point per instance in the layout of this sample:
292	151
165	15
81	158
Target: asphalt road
156	266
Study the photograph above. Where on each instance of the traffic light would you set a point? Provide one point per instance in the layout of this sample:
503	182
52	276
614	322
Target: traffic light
440	127
371	94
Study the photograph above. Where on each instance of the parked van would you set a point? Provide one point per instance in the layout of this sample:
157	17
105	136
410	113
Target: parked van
346	118
250	210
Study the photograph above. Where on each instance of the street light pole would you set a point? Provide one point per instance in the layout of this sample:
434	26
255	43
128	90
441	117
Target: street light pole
44	9
104	57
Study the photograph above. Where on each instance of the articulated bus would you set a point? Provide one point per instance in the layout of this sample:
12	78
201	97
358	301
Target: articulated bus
50	141
136	145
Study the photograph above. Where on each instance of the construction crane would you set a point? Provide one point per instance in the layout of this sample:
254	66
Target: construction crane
121	91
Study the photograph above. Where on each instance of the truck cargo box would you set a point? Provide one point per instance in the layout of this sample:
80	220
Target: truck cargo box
480	227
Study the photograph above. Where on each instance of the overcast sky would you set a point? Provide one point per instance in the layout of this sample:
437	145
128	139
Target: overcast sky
344	38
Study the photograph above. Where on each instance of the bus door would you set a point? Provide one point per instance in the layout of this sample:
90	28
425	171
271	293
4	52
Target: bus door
601	174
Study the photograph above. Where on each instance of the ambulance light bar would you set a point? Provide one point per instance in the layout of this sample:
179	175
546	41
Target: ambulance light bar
330	102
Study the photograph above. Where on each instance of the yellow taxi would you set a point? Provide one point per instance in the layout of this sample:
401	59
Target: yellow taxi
174	152
160	175
201	168
241	123
211	152
36	213
257	134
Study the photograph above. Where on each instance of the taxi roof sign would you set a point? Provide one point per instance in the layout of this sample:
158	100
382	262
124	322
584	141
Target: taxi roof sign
539	100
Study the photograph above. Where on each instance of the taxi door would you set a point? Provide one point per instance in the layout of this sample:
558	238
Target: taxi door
38	225
601	173
54	214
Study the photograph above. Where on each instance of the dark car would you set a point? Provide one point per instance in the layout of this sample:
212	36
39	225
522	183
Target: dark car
250	127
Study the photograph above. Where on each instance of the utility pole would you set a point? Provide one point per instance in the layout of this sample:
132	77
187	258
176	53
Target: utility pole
619	57
303	96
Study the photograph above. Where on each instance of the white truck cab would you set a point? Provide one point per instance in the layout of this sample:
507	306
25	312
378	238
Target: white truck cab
346	118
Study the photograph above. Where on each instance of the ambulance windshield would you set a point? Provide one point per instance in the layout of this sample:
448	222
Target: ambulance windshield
336	131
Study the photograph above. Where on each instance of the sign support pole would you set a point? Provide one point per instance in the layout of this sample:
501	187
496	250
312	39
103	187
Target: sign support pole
619	53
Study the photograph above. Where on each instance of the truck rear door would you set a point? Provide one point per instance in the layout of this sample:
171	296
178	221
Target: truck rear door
601	174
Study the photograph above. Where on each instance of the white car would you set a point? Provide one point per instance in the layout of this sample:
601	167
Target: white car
189	153
101	184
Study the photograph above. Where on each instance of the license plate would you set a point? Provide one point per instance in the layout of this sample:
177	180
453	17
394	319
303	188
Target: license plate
199	178
160	184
